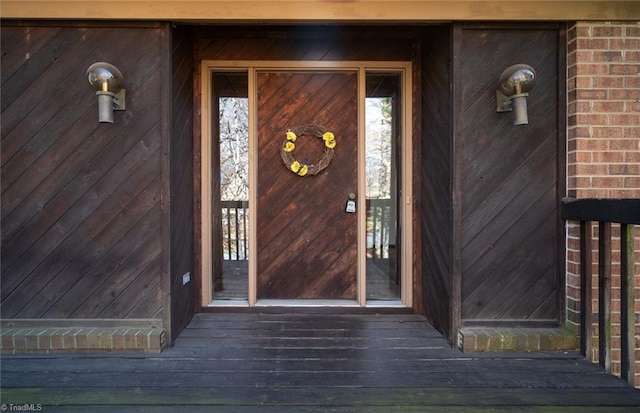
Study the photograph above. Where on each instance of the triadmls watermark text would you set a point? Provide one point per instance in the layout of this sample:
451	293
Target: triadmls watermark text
23	407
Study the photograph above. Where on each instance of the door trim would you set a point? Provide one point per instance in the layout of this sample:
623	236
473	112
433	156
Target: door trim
207	68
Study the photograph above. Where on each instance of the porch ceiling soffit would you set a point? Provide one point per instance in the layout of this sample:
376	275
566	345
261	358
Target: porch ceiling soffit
321	10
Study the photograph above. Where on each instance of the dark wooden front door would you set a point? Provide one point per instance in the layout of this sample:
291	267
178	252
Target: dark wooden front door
306	241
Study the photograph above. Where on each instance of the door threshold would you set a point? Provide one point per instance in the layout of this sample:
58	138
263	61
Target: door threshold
286	303
308	303
308	310
228	303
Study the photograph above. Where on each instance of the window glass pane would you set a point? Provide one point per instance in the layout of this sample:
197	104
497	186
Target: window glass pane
231	186
382	184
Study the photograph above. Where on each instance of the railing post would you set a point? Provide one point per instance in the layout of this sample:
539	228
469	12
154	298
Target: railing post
627	304
374	215
586	289
237	232
604	295
228	212
244	230
385	218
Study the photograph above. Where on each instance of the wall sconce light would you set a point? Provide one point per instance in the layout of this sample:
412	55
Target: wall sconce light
107	80
515	83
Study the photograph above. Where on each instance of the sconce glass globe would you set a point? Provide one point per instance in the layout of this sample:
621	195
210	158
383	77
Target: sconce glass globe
515	83
105	77
517	79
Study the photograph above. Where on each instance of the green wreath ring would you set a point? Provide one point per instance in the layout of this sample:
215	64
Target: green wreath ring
289	145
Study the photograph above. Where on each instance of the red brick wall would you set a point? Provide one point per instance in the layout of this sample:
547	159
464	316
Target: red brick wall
603	148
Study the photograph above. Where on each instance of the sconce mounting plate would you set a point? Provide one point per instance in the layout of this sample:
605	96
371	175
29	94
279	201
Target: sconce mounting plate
503	103
119	100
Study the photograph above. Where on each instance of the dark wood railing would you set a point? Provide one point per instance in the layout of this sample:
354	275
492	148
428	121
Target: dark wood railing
235	228
626	213
379	222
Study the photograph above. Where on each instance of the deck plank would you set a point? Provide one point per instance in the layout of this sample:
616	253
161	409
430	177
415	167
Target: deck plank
313	363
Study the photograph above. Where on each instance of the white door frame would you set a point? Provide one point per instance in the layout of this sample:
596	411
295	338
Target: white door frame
405	197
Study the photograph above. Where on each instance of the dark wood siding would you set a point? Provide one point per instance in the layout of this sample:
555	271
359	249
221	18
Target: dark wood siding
307	43
326	43
81	213
508	178
435	177
84	205
183	297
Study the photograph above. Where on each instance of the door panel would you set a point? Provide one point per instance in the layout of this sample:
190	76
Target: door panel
306	242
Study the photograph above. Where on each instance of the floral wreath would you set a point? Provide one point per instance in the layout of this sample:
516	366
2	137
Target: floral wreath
289	145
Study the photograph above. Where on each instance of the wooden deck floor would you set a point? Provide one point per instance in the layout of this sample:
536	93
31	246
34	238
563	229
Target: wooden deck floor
312	363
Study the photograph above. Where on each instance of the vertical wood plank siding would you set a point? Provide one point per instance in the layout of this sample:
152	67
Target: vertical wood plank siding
509	178
80	200
436	167
183	297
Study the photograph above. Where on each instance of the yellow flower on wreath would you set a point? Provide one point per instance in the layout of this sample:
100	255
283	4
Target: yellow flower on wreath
289	146
328	136
291	137
303	171
295	166
330	143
